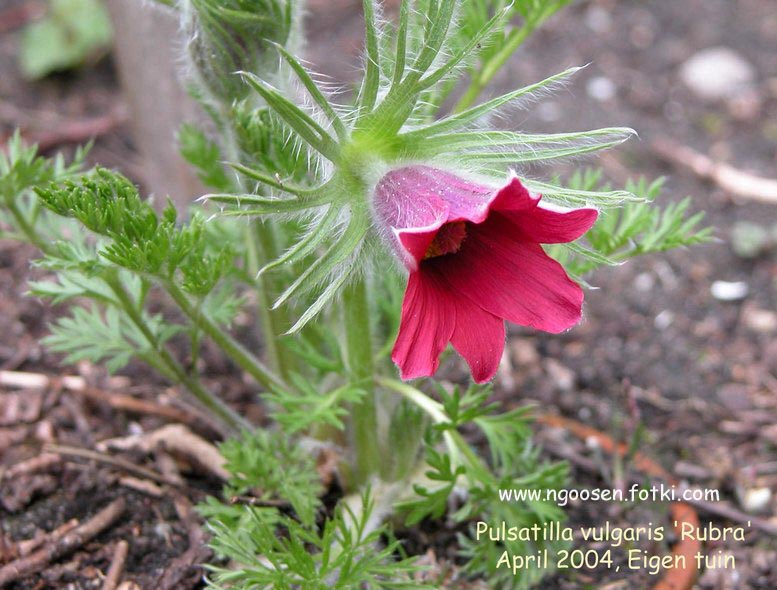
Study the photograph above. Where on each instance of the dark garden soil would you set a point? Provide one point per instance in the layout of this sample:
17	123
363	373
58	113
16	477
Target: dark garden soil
658	356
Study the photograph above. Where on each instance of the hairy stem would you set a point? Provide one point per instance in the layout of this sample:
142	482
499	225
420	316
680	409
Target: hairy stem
263	249
229	417
432	408
364	420
489	69
24	226
243	358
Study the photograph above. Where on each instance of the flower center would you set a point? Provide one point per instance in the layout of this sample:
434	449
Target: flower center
448	240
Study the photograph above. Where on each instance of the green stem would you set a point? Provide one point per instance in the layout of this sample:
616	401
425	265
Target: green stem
232	419
481	79
364	420
457	446
243	358
432	408
25	227
262	249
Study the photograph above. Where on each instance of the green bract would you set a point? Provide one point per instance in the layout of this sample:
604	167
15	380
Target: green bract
391	122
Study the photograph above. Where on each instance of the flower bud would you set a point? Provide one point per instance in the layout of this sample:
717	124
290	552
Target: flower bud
226	36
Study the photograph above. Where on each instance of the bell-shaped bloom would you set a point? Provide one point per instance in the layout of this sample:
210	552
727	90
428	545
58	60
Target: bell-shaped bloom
474	257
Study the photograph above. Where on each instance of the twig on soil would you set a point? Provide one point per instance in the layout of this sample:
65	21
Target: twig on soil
24	380
109	460
30	545
80	535
116	569
720	509
128	403
78	131
178	440
168	467
143	486
116	400
42	462
727	177
727	511
181	567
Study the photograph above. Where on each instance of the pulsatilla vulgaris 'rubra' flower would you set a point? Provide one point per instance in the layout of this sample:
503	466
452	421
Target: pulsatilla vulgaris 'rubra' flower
475	260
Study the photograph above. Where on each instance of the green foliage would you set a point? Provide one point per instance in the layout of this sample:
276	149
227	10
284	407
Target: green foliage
407	428
108	337
130	249
638	226
501	44
275	551
273	468
273	533
205	156
310	408
482	555
21	167
140	240
515	464
228	36
266	143
72	32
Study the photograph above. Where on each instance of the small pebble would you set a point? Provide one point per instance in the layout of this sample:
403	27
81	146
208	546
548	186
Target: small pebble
763	321
717	73
663	320
729	291
598	19
644	282
601	88
563	377
757	500
749	240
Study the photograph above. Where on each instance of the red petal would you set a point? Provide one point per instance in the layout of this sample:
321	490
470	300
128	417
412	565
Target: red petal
415	242
514	197
512	279
537	222
428	320
415	201
479	337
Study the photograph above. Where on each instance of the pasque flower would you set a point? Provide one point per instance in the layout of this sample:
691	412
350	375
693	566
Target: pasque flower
474	257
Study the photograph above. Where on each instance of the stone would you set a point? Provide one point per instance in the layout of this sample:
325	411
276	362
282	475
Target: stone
763	321
601	88
717	73
756	500
563	377
729	291
749	240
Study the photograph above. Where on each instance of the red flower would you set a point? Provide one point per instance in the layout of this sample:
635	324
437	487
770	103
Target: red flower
475	260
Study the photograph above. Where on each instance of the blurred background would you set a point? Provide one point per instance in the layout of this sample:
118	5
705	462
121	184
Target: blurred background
684	344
